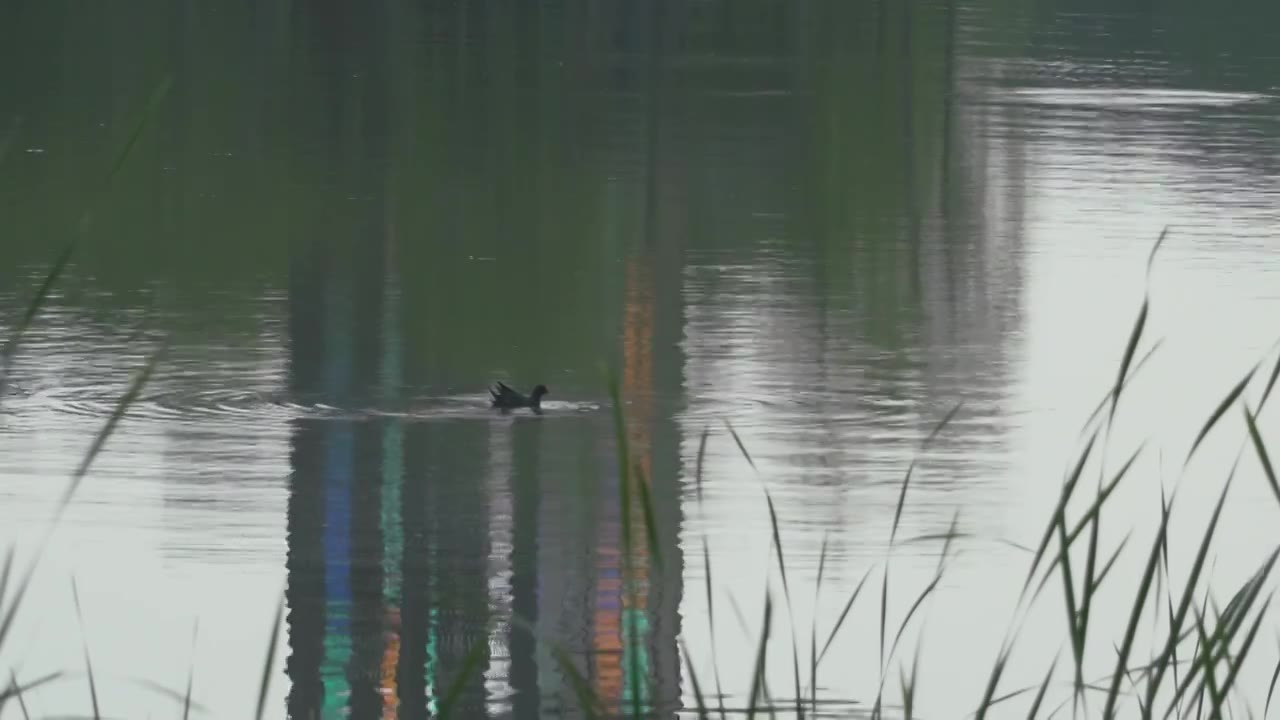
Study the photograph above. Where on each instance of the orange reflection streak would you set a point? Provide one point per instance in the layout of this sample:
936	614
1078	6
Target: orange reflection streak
390	659
637	387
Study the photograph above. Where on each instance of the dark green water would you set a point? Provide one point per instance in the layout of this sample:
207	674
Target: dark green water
827	222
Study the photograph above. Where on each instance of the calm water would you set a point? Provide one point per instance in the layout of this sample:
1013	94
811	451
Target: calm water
827	223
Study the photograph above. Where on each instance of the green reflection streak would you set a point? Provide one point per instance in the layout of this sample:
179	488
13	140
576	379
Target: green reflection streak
433	660
390	375
392	532
635	657
337	654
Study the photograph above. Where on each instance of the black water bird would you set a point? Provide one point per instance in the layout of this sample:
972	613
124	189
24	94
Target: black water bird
507	399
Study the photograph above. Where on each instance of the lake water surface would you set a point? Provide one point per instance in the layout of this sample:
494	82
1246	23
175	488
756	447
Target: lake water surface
823	224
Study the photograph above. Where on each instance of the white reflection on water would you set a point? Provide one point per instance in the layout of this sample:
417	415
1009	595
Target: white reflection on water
1146	98
500	513
1076	199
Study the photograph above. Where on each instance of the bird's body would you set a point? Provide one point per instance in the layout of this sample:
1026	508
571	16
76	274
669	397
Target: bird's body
508	399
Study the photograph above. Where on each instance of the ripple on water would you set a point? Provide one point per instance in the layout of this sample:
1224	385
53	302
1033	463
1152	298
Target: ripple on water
194	406
476	407
163	405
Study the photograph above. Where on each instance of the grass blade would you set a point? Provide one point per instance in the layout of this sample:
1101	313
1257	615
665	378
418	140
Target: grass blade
822	564
941	424
1248	593
4	574
711	626
795	667
38	299
1271	383
1105	402
1221	410
909	687
191	674
1084	522
884	611
902	501
454	692
1188	593
19	594
33	307
702	454
122	406
1106	568
1013	695
1233	668
948	537
1196	661
786	591
906	480
1169	659
757	678
81	470
1151	257
1103	495
619	425
843	615
1044	687
893	535
16	690
158	94
625	501
1133	683
587	699
1208	663
928	590
1069	593
88	664
624	464
813	627
153	103
1275	675
1080	631
993	682
1060	510
693	679
1134	336
1135	617
777	543
738	615
269	663
1261	448
650	519
1139	324
741	448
